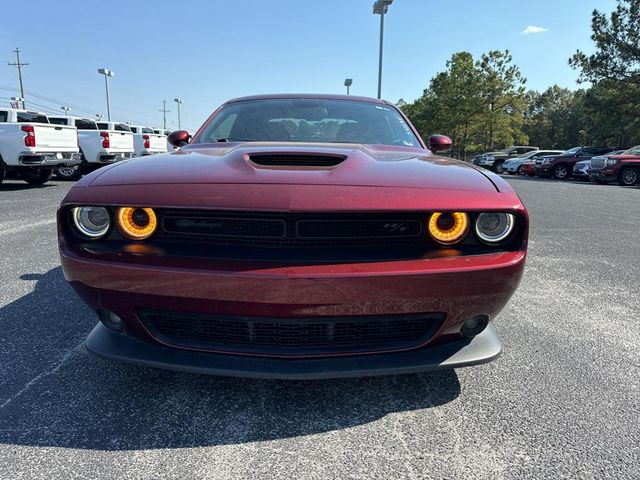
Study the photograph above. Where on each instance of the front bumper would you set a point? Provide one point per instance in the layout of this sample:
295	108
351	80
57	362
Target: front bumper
605	175
544	171
460	353
50	159
459	287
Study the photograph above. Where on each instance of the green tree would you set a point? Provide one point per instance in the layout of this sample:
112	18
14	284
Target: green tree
452	103
502	88
617	39
613	114
555	118
477	103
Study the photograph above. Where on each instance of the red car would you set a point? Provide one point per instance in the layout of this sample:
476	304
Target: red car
528	168
295	236
623	167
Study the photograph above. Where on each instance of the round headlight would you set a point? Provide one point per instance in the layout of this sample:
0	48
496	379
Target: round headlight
494	227
448	228
91	222
137	223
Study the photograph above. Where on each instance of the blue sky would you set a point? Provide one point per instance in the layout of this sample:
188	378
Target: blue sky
208	51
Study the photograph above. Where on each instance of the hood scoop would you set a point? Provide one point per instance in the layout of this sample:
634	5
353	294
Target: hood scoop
295	159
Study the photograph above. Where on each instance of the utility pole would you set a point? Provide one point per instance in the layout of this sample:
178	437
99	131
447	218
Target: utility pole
164	114
19	66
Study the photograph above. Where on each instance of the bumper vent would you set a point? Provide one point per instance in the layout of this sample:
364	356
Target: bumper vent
296	160
316	336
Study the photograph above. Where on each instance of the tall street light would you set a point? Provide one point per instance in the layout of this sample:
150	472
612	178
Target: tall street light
380	7
347	83
107	73
178	101
66	111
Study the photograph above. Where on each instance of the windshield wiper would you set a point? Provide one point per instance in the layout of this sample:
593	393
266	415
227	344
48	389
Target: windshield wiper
230	139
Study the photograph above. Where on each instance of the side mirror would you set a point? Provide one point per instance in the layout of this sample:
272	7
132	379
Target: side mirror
179	138
439	143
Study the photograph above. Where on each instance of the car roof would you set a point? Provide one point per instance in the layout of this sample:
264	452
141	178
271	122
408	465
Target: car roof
318	96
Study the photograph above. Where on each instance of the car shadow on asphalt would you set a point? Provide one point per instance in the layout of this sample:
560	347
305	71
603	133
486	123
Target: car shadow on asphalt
53	393
572	181
16	186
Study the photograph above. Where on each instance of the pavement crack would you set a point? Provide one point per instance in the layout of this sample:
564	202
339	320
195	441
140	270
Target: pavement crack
42	375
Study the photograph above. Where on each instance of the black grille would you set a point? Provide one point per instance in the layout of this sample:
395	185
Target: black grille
358	228
296	160
292	336
225	226
288	228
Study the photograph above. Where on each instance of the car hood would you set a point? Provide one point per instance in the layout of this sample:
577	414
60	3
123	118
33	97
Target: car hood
230	163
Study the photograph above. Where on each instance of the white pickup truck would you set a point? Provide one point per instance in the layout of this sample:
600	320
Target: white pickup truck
98	147
147	142
31	147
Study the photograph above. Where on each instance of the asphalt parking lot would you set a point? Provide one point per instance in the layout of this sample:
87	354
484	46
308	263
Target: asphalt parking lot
563	400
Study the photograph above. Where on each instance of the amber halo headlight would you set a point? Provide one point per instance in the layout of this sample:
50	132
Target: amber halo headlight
448	228
494	227
136	223
91	222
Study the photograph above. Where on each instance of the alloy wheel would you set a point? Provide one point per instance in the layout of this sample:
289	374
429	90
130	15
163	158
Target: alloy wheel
629	177
560	172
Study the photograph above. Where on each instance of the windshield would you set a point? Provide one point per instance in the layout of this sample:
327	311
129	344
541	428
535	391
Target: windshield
309	120
632	151
571	151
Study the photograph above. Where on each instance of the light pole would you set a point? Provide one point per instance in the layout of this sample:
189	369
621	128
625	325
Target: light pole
66	111
380	7
107	73
178	101
347	83
18	100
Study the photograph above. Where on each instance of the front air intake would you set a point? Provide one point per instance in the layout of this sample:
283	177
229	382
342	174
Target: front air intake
295	160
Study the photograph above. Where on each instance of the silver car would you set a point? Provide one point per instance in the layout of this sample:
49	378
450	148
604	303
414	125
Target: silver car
513	166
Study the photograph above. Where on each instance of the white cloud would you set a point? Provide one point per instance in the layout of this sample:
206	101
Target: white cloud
533	29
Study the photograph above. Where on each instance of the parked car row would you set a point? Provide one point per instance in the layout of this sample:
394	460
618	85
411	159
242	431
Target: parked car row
495	160
598	164
34	145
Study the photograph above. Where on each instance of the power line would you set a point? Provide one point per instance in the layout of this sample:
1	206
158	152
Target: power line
19	66
164	114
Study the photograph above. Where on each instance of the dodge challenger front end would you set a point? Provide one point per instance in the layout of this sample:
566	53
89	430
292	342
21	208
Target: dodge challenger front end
295	237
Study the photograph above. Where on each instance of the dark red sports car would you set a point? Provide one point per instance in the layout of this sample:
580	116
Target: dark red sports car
295	236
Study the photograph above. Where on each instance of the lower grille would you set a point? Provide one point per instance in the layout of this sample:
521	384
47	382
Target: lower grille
292	336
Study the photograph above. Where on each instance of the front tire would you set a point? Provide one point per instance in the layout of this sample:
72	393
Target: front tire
36	177
69	173
497	167
628	177
561	172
